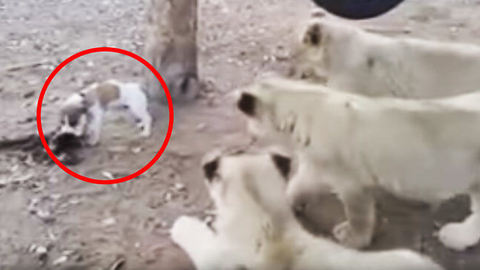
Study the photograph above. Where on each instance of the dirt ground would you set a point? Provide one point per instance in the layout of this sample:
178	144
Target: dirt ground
50	220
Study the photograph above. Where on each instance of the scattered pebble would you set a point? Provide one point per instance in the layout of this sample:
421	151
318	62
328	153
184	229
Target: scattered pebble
118	149
109	222
168	196
201	126
180	187
137	150
45	215
29	94
108	175
53	98
60	260
118	264
41	252
27	120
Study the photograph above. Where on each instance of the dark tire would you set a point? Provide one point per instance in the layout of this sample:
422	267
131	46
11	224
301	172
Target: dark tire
358	9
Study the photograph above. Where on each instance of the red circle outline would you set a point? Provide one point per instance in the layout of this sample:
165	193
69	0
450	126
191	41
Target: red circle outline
101	181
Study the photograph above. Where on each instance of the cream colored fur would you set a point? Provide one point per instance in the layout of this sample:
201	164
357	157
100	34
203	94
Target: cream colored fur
427	150
345	57
255	229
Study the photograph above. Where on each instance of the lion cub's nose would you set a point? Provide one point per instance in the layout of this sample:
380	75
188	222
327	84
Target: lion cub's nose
246	104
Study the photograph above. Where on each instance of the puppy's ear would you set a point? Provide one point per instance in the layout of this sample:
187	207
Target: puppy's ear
210	169
283	164
247	104
313	35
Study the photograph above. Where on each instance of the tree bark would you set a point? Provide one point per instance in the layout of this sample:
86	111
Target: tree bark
171	48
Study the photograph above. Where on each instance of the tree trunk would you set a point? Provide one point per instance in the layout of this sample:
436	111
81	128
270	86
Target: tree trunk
171	48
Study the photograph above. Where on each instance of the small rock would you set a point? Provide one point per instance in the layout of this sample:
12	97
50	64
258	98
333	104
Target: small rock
137	150
53	180
53	98
51	235
40	251
108	175
109	222
179	187
26	120
201	126
45	216
118	149
60	260
14	168
29	94
27	104
168	196
453	29
118	264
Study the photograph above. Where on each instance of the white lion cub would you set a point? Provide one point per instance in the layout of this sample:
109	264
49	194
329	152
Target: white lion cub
426	150
256	230
345	57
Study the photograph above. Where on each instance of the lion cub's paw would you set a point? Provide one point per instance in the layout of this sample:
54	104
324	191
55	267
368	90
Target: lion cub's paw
346	236
186	229
458	236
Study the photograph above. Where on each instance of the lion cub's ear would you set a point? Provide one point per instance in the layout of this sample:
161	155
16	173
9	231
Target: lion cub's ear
247	103
210	169
313	35
283	164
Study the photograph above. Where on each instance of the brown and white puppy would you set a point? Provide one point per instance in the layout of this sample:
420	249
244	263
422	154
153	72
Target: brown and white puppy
255	229
345	57
82	113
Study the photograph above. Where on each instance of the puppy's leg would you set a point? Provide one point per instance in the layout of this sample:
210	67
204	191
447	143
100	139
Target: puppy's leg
357	230
139	111
462	235
195	237
94	127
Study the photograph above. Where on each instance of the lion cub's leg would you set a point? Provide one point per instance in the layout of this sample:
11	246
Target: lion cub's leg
462	235
357	230
194	236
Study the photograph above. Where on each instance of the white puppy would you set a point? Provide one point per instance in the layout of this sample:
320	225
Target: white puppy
427	150
82	113
255	229
345	57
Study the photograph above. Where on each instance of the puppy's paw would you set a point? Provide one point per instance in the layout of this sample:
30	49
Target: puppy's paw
347	236
146	132
459	236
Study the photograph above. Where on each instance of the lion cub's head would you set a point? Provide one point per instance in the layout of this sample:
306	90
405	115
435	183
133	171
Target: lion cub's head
319	47
252	182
